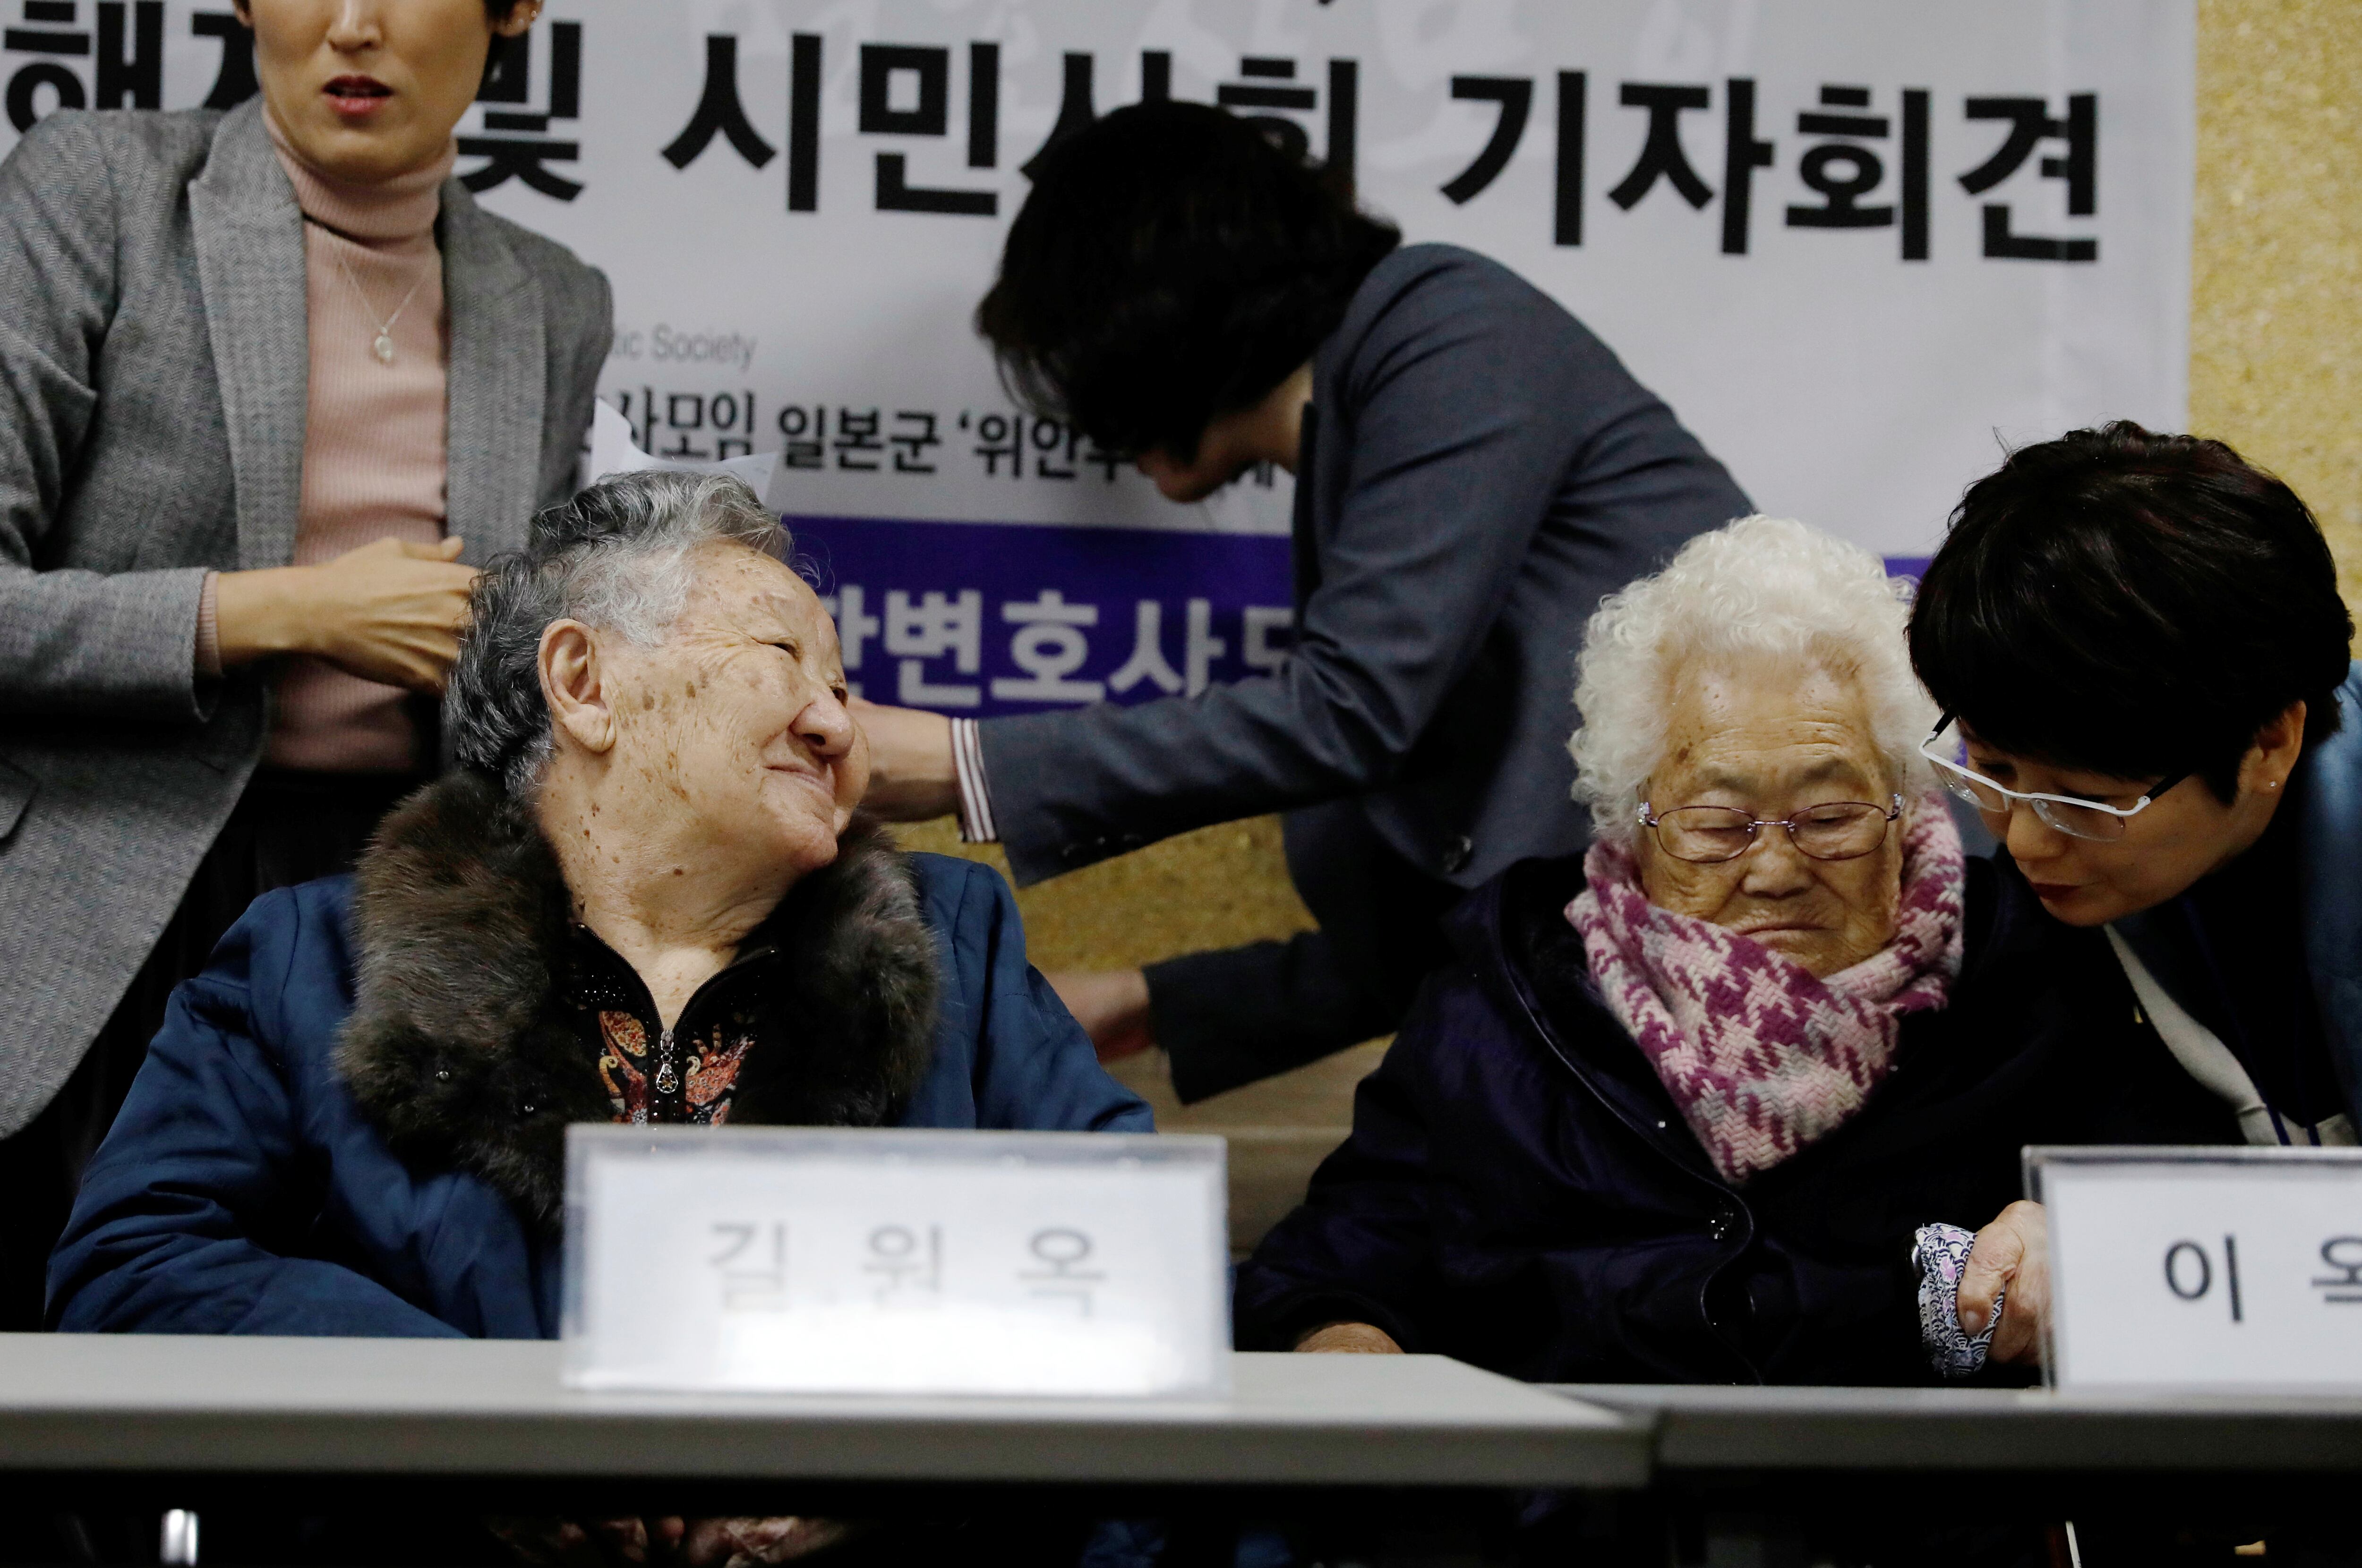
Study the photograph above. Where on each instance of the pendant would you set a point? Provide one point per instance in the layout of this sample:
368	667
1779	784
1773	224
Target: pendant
383	348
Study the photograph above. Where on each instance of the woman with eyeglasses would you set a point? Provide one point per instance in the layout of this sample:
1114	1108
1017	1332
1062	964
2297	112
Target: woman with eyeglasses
2144	663
1685	1103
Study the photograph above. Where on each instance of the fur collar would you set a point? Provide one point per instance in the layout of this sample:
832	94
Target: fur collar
464	1051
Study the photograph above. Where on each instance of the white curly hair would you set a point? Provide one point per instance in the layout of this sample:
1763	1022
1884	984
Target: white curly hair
1761	588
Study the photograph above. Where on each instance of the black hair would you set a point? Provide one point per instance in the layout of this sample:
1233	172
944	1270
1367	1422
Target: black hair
496	12
1171	263
2133	604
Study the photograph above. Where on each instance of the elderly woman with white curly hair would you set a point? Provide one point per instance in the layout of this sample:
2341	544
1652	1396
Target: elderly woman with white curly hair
1685	1106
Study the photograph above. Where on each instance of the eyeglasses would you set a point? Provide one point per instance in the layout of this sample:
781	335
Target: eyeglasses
1708	835
2070	814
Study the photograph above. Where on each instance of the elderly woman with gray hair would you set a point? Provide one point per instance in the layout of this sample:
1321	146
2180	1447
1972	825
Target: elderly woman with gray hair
645	898
1687	1101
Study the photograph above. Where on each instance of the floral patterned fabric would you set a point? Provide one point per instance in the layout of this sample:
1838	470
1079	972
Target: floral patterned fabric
685	1076
691	1084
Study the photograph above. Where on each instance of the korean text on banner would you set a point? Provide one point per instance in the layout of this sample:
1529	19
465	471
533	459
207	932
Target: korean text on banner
1851	242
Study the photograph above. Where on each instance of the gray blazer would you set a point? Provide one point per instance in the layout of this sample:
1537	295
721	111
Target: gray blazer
153	369
1478	470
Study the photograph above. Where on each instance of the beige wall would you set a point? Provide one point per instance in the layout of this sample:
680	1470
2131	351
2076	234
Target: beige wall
2275	340
2275	287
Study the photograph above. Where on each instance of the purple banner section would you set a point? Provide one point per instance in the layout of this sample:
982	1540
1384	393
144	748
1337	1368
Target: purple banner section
978	619
985	618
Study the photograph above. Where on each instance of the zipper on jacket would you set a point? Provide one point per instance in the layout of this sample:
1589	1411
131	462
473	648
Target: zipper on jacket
667	1079
1725	1196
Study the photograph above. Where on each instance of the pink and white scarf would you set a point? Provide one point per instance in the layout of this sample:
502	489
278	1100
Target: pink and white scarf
1761	1057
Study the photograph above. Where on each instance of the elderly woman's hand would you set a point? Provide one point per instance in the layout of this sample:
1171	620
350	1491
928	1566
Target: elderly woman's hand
1113	1008
742	1542
566	1543
1348	1339
2012	1252
723	1542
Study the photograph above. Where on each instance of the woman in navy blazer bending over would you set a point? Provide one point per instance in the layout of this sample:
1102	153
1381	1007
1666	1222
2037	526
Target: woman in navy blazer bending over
644	898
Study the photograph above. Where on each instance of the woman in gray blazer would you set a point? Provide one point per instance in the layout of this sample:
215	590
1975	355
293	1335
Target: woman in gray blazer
269	381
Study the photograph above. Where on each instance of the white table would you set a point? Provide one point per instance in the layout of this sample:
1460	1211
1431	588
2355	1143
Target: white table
1703	1428
157	1405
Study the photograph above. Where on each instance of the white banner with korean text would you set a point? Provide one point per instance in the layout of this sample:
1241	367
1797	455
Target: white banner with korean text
1857	244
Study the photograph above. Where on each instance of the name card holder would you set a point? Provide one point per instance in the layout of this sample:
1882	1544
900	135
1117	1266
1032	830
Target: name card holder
2204	1269
841	1261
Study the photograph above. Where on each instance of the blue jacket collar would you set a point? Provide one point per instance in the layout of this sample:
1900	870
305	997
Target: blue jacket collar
2333	888
465	1047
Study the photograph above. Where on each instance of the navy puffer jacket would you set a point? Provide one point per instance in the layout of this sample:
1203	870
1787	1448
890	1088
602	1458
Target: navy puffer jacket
1520	1192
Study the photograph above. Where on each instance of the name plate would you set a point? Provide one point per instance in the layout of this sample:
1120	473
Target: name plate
2203	1268
833	1261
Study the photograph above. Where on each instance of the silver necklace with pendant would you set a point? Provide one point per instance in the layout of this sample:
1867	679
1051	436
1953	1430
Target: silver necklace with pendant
384	345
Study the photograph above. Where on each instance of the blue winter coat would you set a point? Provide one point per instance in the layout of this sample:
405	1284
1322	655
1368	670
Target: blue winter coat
352	1121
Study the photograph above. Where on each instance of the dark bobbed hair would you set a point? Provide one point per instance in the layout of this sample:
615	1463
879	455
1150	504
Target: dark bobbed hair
1171	263
496	12
2133	604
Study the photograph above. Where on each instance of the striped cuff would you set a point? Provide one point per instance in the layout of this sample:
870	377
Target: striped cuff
975	822
209	654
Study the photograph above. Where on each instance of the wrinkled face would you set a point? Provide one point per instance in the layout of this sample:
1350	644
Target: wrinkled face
1773	741
2173	840
736	721
371	89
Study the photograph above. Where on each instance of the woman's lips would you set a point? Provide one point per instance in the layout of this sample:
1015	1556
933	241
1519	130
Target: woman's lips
355	97
821	784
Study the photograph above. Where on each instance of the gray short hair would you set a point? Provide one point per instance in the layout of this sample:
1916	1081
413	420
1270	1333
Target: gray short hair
1761	588
616	559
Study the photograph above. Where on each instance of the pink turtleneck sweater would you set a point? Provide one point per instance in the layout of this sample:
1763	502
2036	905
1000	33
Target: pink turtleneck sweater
374	438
